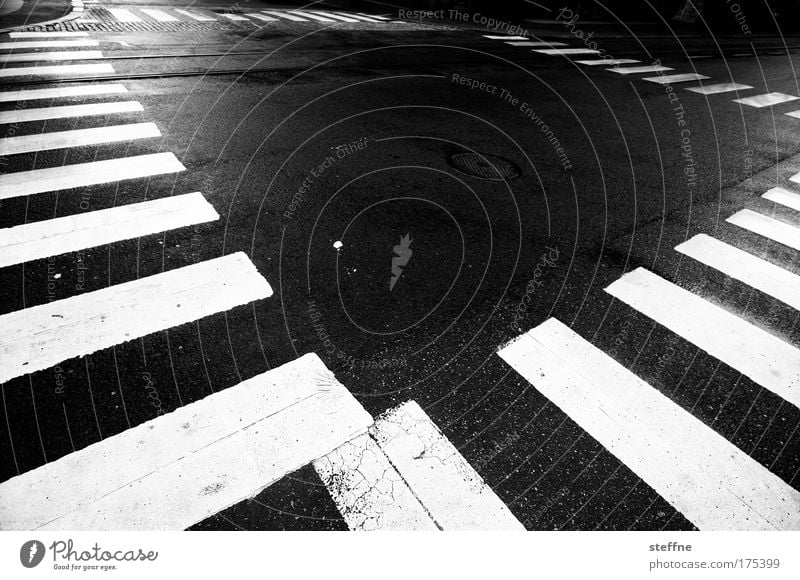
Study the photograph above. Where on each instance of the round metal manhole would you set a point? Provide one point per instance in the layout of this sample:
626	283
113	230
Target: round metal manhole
485	166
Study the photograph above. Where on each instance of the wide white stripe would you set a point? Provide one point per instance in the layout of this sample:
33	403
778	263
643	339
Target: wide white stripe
608	61
718	88
492	37
123	15
362	17
705	477
185	466
566	51
46	34
669	79
36	338
262	17
375	16
57	70
159	15
45	56
195	15
776	230
631	70
77	138
368	491
340	17
766	100
752	270
284	15
67	111
794	114
795	178
757	354
532	43
779	195
48	44
235	17
445	484
83	174
312	16
71	91
53	237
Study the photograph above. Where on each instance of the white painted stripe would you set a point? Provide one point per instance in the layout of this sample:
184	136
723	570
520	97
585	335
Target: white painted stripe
123	15
783	197
795	178
757	354
766	100
48	44
182	467
195	15
57	70
719	88
362	17
71	91
795	114
77	138
375	16
491	37
608	61
37	338
312	16
235	17
68	111
779	231
46	34
670	79
368	491
52	56
284	15
83	174
159	15
706	478
631	70
53	237
533	43
745	267
262	17
566	51
340	17
450	489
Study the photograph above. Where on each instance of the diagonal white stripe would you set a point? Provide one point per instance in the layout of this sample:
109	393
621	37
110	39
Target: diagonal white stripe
669	79
48	44
68	111
775	230
57	70
77	138
71	91
718	88
783	197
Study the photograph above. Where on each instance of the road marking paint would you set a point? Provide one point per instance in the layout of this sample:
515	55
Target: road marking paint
450	489
46	34
532	43
718	88
39	337
757	354
49	44
565	51
83	174
52	56
783	197
312	16
195	15
58	70
123	15
77	138
68	111
185	466
608	61
374	16
368	491
333	15
631	70
58	236
71	91
492	37
766	100
775	230
795	114
284	15
362	17
745	267
681	78
262	17
235	17
795	178
705	477
159	15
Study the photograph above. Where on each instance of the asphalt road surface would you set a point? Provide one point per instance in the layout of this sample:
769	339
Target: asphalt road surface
405	198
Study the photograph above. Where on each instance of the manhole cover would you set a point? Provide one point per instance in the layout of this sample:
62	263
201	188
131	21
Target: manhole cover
485	166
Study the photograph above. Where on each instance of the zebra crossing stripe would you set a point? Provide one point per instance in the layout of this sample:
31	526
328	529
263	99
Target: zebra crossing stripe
69	111
57	70
531	43
195	15
632	70
368	491
23	183
718	88
52	56
767	227
77	138
335	16
71	91
123	15
312	16
783	197
608	61
36	338
449	488
182	467
671	79
709	480
745	267
284	15
48	44
235	17
159	15
378	17
565	51
66	34
757	354
362	17
766	100
262	17
58	236
493	37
